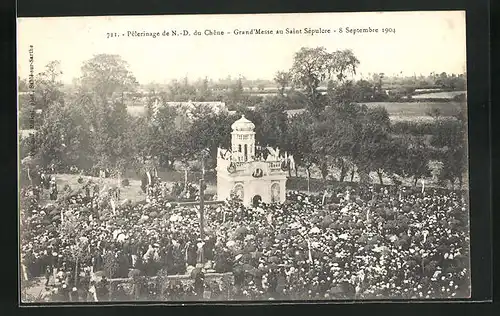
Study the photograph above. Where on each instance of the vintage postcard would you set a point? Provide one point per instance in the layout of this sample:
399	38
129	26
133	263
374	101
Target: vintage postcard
243	157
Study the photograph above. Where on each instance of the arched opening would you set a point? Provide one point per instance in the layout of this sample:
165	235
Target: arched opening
245	152
256	200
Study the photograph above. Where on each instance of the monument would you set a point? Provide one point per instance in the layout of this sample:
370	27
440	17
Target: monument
250	175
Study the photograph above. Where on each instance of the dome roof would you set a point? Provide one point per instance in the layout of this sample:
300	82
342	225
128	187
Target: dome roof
243	125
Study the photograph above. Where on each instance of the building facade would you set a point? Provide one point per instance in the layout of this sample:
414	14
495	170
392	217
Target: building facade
247	174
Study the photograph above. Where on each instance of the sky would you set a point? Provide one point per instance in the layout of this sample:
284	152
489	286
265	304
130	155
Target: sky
423	42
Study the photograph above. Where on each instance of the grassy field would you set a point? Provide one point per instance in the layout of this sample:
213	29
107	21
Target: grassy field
438	95
413	110
405	111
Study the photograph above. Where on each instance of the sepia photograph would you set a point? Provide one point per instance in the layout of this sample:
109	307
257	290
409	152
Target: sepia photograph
243	157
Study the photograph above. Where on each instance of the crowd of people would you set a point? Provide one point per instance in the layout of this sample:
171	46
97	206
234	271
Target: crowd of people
361	243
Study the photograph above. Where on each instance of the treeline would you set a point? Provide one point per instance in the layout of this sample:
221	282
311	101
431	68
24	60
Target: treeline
351	138
91	127
235	94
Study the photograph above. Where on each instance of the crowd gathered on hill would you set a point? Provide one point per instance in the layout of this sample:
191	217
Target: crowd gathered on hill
355	243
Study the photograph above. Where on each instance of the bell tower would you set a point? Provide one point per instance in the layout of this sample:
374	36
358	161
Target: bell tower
243	140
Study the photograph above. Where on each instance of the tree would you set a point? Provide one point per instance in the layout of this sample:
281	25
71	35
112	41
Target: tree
26	114
273	128
63	138
153	101
379	92
283	79
333	138
112	138
22	85
450	137
383	153
235	95
311	66
211	131
299	140
349	91
341	94
363	91
159	136
106	76
372	148
48	86
412	159
204	92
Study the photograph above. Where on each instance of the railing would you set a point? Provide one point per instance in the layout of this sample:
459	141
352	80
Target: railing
242	165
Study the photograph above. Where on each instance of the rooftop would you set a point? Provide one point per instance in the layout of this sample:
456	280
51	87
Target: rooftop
243	125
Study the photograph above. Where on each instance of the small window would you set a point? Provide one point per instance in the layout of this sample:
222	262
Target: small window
239	148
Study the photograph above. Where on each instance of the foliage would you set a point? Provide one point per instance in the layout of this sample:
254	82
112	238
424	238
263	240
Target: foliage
349	91
273	127
211	130
63	138
106	76
48	86
91	127
412	158
451	137
283	79
299	141
22	85
311	66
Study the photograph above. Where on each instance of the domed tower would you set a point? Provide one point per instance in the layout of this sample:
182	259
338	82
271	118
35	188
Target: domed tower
243	139
241	172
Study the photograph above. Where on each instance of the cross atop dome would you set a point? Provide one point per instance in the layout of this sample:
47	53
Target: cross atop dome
243	139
